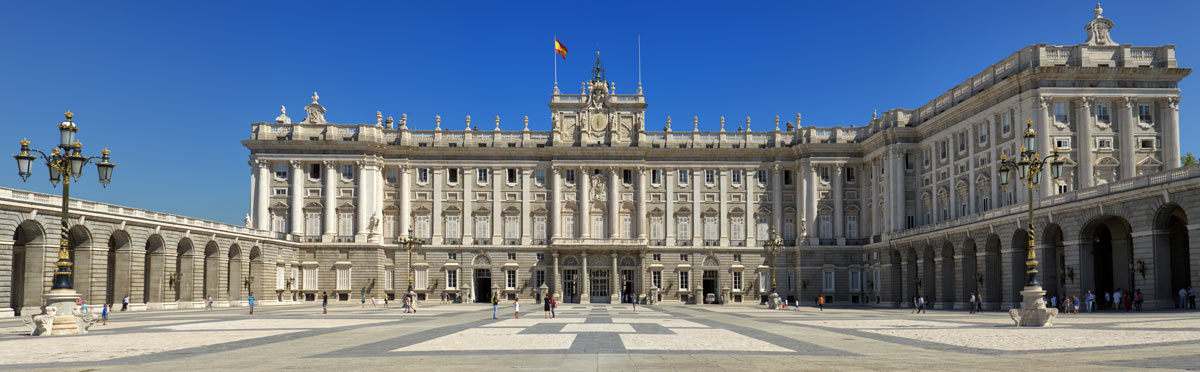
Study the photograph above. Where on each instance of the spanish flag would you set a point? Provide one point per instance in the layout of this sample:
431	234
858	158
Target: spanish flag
560	49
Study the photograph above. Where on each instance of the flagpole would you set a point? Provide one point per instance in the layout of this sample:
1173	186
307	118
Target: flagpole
555	56
639	45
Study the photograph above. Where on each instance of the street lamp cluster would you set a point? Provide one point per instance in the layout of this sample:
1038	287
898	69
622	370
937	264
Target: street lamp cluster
771	245
410	243
65	163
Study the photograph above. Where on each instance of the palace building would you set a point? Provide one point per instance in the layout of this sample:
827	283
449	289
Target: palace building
603	208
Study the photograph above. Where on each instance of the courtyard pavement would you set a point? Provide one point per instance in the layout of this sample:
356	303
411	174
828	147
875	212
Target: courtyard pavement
606	337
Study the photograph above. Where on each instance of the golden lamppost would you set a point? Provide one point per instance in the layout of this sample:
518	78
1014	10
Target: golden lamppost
410	243
1029	166
771	245
65	163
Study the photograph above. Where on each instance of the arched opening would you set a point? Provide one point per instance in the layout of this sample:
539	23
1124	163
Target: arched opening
256	275
81	273
120	267
234	283
928	287
1171	244
152	273
896	277
185	264
1053	257
911	287
970	272
28	249
1108	254
947	296
991	272
1020	249
212	267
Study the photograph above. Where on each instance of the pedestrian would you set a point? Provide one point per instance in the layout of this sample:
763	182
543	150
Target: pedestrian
1137	299
782	303
1075	302
914	305
83	308
921	302
250	298
1183	296
209	303
546	306
1126	301
125	303
412	299
1090	299
821	303
553	306
1191	297
324	302
104	314
972	303
364	301
385	303
373	302
1107	305
516	307
495	305
1054	302
633	299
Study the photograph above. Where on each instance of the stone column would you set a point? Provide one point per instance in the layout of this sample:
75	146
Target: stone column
436	218
898	201
329	201
614	204
362	203
641	204
558	292
262	195
1043	126
801	205
937	186
1170	135
583	183
669	216
1083	147
296	199
838	218
405	200
497	219
810	203
586	284
467	221
556	210
614	287
526	212
697	226
875	196
995	182
972	139
1128	122
722	208
777	198
750	180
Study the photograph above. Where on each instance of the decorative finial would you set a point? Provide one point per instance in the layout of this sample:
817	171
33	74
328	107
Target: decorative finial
639	88
468	122
391	123
875	114
526	123
105	151
668	128
797	120
776	123
378	118
695	123
438	119
24	142
748	124
1098	10
722	123
69	115
497	122
315	97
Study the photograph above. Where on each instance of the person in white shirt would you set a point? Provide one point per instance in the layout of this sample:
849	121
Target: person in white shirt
1183	294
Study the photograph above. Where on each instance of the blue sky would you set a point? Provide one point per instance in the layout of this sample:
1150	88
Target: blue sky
171	87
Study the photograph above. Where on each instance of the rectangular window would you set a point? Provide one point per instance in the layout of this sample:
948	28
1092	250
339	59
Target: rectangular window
1144	114
343	278
683	228
763	229
737	228
512	176
656	256
512	227
736	176
512	256
962	141
1006	123
539	278
825	174
539	176
656	176
568	227
1060	112
346	224
1062	143
787	177
851	227
710	228
627	227
656	228
789	228
452	175
421	279
281	171
598	226
683	176
1146	143
856	281
569	175
482	227
684	283
737	280
539	227
421	227
389	225
737	258
826	226
453	227
761	175
1104	143
422	175
452	256
627	176
828	282
314	171
983	133
850	175
347	172
656	278
710	177
540	256
1102	113
683	257
481	176
510	279
390	175
944	145
279	224
281	191
1063	188
451	279
310	279
764	281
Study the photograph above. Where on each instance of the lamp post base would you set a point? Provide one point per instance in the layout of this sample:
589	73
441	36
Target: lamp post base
773	301
1033	311
60	316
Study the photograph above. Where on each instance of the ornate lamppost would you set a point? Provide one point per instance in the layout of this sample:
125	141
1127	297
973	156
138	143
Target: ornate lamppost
1029	166
771	245
65	163
410	243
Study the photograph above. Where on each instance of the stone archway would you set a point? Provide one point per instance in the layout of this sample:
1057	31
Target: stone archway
992	272
970	270
256	275
1171	244
212	268
29	247
912	271
1017	258
185	265
79	248
1107	256
152	273
118	278
234	283
947	297
1053	260
929	285
896	277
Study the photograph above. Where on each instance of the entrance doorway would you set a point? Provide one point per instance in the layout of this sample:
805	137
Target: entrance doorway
600	286
483	285
627	294
570	286
710	287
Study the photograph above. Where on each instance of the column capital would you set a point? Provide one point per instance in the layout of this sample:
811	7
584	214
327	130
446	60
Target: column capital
294	163
554	169
837	168
329	164
259	163
1173	103
1086	102
1043	101
362	164
583	253
1129	101
614	169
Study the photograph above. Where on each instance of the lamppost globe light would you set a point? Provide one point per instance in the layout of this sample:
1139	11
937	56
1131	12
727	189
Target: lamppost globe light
1022	168
67	131
24	161
55	172
105	168
1003	175
77	161
1030	136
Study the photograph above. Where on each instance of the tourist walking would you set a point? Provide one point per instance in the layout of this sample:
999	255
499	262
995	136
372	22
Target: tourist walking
1107	305
208	305
914	305
921	302
250	299
972	303
1191	297
1137	299
516	306
1075	302
104	314
1183	297
373	302
633	300
385	303
821	303
324	302
125	303
1090	299
546	306
553	306
364	301
495	305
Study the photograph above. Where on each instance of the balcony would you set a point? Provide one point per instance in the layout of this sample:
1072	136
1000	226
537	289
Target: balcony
860	241
343	239
312	239
482	241
658	242
452	241
737	243
711	242
280	236
683	242
512	241
828	241
539	242
599	242
390	240
789	242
